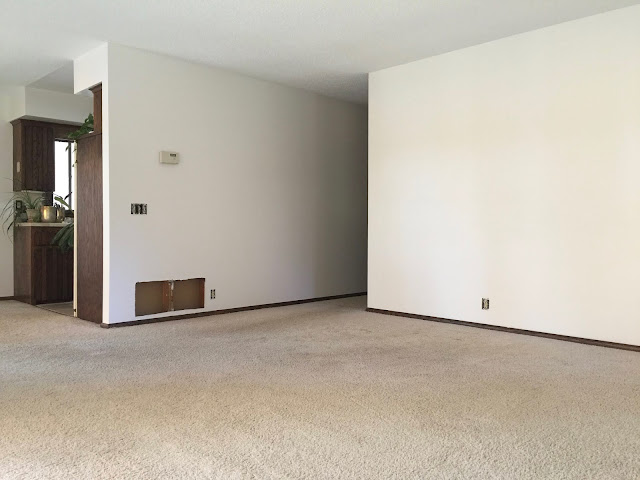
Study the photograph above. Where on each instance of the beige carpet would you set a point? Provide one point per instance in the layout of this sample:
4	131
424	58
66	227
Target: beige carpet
65	308
321	390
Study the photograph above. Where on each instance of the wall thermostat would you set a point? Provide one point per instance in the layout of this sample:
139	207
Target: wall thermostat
171	158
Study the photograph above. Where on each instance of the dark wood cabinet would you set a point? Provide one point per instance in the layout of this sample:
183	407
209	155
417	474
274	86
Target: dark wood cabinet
34	163
42	273
33	156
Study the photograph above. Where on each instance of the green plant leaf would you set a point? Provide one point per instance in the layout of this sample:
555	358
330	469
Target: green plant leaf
62	201
64	238
8	214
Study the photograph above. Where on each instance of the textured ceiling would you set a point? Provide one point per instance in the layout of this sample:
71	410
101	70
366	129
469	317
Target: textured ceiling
327	46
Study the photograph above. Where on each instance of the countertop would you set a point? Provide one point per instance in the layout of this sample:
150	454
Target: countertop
40	224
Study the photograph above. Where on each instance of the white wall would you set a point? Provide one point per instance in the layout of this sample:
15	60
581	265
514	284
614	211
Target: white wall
14	102
268	202
511	170
91	69
57	106
45	104
6	187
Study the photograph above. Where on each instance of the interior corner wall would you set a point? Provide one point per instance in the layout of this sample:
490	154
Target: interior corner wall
6	187
511	171
13	102
268	202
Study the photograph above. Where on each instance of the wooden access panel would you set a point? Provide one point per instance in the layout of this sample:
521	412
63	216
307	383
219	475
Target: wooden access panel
168	296
88	218
188	294
153	297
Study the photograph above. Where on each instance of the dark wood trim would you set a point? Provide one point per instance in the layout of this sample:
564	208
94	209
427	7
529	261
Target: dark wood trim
88	214
553	336
97	108
229	310
89	135
4	299
61	130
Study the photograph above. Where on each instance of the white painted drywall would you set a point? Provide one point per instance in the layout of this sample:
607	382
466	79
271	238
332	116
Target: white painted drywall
14	102
45	104
91	69
511	170
268	202
6	187
57	106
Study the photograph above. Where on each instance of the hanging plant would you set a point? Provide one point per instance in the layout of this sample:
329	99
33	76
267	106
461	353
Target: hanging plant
86	127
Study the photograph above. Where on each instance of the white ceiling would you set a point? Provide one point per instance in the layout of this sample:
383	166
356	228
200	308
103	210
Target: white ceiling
327	46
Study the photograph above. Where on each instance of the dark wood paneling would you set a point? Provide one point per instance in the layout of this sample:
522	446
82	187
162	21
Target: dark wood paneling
42	273
587	341
53	275
97	108
18	161
34	152
229	310
40	278
22	261
88	218
39	158
42	236
62	131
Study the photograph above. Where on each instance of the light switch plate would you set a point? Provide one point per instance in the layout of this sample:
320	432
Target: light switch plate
138	209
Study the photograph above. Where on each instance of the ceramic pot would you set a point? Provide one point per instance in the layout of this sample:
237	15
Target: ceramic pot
49	214
61	214
32	215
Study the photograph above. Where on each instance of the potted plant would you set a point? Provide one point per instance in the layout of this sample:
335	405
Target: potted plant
18	204
62	206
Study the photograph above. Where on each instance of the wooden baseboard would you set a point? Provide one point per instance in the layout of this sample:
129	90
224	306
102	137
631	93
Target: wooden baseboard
3	299
565	338
229	310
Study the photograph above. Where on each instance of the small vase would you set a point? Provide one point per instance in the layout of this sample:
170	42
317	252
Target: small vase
48	214
32	215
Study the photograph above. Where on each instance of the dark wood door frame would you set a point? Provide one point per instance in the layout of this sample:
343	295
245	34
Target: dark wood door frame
89	218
